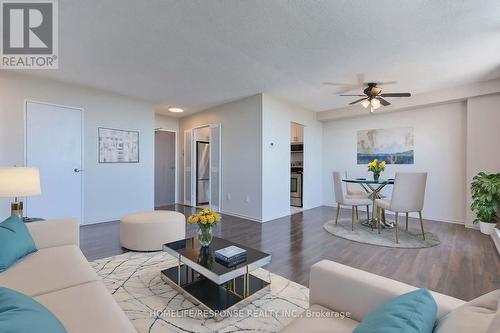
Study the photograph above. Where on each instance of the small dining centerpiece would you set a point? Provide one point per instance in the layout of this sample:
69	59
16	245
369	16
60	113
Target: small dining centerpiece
376	167
206	220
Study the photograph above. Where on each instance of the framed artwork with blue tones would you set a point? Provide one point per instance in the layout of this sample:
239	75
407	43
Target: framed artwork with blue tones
392	145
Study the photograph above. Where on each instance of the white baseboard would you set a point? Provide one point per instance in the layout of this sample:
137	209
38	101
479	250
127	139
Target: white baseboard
496	238
226	212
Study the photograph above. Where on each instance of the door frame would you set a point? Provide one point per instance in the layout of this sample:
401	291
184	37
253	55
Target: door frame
82	155
193	159
197	172
176	157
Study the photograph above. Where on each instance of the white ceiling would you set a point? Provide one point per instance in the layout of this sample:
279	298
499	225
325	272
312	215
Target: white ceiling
197	54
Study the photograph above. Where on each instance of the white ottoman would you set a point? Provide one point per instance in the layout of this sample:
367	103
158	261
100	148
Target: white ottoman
148	231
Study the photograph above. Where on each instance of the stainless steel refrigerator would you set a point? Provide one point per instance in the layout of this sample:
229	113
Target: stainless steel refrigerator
202	172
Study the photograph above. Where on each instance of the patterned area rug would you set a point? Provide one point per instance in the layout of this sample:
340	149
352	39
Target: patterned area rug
411	239
153	306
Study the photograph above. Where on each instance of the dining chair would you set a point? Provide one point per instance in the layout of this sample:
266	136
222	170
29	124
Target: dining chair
356	190
408	195
342	199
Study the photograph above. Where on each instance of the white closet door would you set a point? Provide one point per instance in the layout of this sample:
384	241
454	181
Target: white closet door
188	141
215	167
54	145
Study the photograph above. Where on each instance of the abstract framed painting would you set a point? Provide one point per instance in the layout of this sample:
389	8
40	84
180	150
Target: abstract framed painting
392	145
118	146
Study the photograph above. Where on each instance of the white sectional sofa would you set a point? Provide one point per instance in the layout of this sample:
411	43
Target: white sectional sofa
59	277
339	288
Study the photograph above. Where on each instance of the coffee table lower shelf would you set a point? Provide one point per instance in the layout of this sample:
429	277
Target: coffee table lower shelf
209	294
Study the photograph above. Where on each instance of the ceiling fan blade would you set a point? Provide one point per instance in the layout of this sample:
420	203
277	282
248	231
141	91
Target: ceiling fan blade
395	95
383	101
353	95
344	87
357	101
386	83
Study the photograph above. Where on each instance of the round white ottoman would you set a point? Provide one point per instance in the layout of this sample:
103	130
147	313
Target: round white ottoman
148	231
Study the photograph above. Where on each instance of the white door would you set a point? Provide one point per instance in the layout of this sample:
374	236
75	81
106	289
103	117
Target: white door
54	145
215	167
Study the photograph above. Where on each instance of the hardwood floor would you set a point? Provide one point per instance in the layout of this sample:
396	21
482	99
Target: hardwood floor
465	265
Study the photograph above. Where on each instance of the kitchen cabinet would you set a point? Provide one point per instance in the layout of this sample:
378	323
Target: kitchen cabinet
297	133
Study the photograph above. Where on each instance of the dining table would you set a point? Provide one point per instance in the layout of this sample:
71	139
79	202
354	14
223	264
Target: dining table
373	188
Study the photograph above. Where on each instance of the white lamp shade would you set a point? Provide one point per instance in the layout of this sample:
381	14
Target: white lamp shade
375	103
365	103
19	182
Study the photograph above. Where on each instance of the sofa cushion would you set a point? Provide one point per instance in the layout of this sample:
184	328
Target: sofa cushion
413	312
319	319
481	315
48	270
22	314
87	308
15	242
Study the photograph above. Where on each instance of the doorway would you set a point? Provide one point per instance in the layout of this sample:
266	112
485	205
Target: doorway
202	173
165	167
296	167
53	144
202	167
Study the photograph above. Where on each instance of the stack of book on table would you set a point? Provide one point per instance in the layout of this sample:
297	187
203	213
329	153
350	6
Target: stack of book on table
231	256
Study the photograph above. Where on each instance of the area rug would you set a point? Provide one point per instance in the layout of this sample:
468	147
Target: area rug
411	239
153	306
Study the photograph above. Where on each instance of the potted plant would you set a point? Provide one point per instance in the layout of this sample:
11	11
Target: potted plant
376	167
206	220
485	190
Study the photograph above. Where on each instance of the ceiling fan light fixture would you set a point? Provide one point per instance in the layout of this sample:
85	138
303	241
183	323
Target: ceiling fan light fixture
365	103
375	103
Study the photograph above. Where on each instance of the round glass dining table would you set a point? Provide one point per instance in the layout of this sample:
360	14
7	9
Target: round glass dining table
373	188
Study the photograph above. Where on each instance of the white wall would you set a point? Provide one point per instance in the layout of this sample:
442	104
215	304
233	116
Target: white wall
440	140
276	119
166	123
483	140
241	153
110	190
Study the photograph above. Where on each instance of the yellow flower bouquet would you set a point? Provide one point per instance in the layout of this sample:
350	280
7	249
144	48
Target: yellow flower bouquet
206	220
376	167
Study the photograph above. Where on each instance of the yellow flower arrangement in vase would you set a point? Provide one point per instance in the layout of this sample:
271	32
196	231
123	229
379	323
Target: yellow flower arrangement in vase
206	220
376	167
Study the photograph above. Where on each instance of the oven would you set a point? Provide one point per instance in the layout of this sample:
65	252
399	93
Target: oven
296	189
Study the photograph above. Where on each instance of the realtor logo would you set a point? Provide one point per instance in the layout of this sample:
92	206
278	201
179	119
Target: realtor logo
29	34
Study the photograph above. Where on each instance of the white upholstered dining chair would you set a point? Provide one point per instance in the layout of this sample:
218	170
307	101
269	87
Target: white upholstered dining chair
357	191
408	195
342	199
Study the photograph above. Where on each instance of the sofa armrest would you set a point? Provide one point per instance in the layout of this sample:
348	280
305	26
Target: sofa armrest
343	288
53	233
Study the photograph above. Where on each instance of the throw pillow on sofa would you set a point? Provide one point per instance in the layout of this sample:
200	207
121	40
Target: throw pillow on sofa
15	242
414	312
481	315
22	314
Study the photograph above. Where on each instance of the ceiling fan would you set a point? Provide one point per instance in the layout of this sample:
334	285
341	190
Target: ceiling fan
374	98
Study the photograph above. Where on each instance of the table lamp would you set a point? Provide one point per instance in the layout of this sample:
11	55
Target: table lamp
19	182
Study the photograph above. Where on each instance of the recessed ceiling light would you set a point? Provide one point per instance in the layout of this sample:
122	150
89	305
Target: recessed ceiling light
176	110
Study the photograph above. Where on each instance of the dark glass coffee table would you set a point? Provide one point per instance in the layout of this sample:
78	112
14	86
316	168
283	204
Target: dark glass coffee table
207	281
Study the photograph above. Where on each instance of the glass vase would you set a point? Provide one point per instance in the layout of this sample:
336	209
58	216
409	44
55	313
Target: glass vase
205	234
376	176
